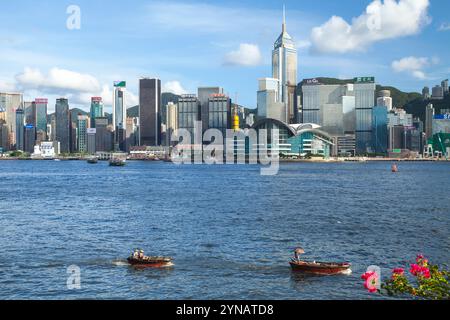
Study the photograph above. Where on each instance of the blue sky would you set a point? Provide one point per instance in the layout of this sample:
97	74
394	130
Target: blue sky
225	43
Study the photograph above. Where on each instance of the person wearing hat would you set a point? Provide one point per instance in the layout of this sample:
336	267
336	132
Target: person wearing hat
297	253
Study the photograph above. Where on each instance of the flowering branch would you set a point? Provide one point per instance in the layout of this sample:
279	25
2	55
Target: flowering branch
430	282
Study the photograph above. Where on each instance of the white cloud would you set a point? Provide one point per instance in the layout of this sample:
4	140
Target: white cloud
246	55
174	87
6	86
79	88
445	26
57	80
414	65
382	20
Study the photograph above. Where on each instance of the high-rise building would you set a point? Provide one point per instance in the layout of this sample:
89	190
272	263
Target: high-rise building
150	112
91	140
62	125
29	108
384	99
426	93
204	93
4	136
96	109
82	126
364	89
437	93
40	116
429	116
269	105
380	129
330	106
119	116
104	135
11	102
29	138
284	68
188	112
132	132
219	115
20	121
172	122
444	85
399	117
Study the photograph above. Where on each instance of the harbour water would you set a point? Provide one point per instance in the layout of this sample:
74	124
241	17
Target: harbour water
230	230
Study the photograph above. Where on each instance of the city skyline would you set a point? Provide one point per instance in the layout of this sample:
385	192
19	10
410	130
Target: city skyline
65	66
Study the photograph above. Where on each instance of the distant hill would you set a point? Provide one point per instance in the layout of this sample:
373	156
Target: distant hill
417	107
412	102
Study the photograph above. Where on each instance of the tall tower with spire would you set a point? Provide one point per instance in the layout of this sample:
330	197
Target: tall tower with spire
284	68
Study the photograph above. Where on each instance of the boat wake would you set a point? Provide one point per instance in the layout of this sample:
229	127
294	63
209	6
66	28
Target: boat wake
120	263
347	272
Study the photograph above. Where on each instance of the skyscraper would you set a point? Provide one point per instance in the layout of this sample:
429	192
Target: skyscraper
364	89
172	122
219	116
284	68
119	115
380	129
20	121
204	93
188	112
429	116
96	109
82	126
62	122
11	102
40	116
29	138
150	112
384	99
269	105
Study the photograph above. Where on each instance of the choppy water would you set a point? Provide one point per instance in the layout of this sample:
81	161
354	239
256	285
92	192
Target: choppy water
230	229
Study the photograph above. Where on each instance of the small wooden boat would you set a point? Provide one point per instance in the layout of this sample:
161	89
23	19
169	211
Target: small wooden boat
320	268
117	162
150	262
138	259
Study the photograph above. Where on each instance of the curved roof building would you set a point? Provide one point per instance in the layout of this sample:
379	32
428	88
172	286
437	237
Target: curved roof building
296	139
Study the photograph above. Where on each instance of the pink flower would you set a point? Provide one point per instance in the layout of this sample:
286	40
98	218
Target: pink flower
417	270
399	271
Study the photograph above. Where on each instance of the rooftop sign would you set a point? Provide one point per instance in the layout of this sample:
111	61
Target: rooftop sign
312	81
41	101
120	84
365	80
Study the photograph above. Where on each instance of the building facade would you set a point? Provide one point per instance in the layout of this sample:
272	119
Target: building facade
119	115
96	110
150	112
188	113
364	89
203	95
62	123
41	105
380	129
172	122
10	102
284	68
20	121
82	126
